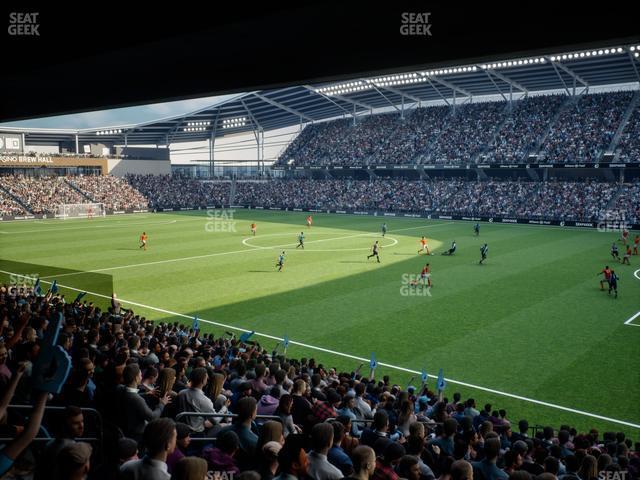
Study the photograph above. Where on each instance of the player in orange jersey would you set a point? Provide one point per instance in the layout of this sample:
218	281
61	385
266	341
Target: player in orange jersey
309	221
253	229
627	256
606	272
424	247
636	242
143	240
425	275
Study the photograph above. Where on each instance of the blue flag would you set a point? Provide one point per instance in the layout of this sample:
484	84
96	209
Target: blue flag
36	288
285	342
79	297
54	287
441	384
424	376
246	335
372	363
196	324
230	355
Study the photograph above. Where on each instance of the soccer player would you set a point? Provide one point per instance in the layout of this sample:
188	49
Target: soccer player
375	252
636	242
280	263
425	275
613	283
309	221
476	229
452	250
425	247
607	275
614	251
625	236
90	213
143	240
627	256
253	229
384	229
484	249
300	240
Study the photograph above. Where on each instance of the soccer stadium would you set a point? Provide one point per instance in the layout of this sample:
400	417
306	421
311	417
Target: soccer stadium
423	273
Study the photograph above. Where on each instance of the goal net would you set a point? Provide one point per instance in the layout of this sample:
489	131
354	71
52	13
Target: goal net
81	210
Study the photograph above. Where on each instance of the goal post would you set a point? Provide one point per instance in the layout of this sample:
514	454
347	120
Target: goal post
81	210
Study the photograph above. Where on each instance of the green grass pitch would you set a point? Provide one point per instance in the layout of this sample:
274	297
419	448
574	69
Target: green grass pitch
530	322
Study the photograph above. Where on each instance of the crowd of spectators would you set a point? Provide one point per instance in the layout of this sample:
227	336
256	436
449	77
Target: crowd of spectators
524	127
584	131
493	132
41	194
468	133
114	192
173	191
560	200
629	145
252	412
9	207
586	201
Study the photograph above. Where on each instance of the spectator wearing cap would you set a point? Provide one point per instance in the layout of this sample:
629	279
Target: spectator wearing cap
321	442
159	440
193	400
385	467
221	457
487	468
183	439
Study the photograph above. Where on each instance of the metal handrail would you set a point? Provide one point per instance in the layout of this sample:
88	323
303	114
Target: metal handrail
50	408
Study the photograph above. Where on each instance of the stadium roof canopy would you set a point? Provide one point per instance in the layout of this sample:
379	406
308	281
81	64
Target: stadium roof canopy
574	72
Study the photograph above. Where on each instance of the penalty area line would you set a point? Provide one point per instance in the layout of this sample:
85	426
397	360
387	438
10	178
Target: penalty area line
360	359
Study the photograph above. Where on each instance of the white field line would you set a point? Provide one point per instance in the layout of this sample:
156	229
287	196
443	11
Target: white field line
101	225
207	255
360	359
628	322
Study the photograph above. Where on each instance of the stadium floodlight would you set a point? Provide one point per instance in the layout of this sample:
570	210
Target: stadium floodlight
636	54
632	48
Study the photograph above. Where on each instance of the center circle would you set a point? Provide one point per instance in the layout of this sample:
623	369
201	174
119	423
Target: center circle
370	235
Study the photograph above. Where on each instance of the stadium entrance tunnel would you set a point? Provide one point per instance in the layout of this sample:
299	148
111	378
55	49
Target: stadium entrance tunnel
69	282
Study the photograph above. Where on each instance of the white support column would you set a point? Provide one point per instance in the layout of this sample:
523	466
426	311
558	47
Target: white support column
77	149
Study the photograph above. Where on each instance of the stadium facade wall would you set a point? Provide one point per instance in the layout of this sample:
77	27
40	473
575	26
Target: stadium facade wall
119	167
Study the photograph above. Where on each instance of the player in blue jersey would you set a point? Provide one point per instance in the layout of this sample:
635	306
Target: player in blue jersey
384	229
280	263
300	240
476	229
484	249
